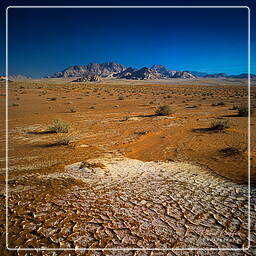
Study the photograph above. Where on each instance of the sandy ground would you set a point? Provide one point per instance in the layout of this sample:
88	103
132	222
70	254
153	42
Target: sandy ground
181	183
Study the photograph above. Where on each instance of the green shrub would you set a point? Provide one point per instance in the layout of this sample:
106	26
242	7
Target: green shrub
163	110
219	125
59	126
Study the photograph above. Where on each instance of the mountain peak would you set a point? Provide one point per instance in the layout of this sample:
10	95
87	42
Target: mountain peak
102	70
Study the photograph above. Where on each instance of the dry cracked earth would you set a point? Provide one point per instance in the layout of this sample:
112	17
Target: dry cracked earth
128	203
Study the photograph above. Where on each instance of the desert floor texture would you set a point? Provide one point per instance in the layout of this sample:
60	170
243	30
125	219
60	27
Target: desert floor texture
123	177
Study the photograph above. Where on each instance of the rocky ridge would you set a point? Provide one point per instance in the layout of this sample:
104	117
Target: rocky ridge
87	78
112	69
102	70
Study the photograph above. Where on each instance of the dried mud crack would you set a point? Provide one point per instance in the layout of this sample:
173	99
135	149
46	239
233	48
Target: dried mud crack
129	204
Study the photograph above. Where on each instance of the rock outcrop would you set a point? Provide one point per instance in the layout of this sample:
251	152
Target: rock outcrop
183	74
141	74
88	78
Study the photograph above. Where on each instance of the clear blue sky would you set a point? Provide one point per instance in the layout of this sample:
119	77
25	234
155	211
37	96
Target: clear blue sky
43	41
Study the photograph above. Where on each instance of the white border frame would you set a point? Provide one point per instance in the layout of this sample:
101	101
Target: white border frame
130	249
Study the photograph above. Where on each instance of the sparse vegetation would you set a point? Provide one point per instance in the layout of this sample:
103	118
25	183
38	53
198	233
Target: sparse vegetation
163	110
243	110
62	141
230	151
59	126
219	125
121	97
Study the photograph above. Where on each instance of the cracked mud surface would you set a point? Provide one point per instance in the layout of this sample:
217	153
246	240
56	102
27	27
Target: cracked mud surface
130	204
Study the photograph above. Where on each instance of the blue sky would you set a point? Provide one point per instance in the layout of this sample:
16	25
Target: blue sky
43	41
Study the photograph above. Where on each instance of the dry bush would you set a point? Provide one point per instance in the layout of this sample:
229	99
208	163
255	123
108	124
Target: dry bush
59	126
243	110
63	140
219	125
164	110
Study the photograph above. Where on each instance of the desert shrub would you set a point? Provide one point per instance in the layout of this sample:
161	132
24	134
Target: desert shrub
121	98
230	151
163	110
243	110
53	98
62	141
219	125
59	126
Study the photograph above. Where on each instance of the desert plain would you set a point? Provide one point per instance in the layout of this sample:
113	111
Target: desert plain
122	176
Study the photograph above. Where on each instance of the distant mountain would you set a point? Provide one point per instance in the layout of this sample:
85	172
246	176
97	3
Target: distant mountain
198	73
216	75
168	73
183	74
16	77
243	75
102	70
163	70
112	69
126	73
141	74
95	71
224	75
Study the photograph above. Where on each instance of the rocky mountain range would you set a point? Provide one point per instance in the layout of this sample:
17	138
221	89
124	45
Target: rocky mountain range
102	70
112	69
139	74
12	78
16	77
95	71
